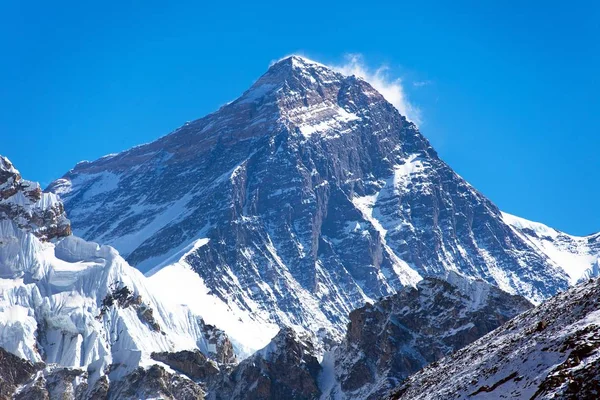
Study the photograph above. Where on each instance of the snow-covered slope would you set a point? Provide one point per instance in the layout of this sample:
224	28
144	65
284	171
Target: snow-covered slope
80	305
179	285
579	256
311	195
549	352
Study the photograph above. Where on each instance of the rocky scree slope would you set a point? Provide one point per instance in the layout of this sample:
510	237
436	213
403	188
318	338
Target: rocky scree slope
549	352
297	203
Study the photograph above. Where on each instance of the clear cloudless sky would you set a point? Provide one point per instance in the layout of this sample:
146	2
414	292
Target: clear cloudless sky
511	98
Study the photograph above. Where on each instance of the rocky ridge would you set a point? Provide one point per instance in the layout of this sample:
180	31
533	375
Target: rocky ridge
549	352
23	202
397	336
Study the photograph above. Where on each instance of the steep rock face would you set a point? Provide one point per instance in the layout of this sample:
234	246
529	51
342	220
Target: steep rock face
14	371
400	334
549	352
286	369
193	364
32	210
310	195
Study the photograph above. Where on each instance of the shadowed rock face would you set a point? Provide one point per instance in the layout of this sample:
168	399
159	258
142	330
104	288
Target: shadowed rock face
548	352
316	195
193	364
14	371
32	210
400	334
286	369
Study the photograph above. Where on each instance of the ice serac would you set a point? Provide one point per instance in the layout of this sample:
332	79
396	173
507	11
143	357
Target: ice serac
312	195
69	303
400	334
549	352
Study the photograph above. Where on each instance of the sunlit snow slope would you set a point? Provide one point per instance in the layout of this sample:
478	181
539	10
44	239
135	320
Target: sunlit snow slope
579	256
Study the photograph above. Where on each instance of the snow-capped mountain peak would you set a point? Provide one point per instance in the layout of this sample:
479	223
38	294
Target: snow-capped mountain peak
311	194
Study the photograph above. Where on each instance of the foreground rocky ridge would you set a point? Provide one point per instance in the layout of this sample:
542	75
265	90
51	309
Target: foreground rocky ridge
551	351
287	368
24	380
300	201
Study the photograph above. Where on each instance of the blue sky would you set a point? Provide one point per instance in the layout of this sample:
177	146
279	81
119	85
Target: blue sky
508	93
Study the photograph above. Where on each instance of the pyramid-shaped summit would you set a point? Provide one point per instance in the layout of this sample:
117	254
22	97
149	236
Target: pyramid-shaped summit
298	202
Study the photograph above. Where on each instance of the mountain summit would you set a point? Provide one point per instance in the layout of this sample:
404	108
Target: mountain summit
297	203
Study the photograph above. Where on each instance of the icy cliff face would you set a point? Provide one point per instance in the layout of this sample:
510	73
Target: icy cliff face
79	304
311	195
548	352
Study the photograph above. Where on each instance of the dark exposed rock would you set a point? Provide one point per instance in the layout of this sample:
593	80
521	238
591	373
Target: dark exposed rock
155	382
194	364
14	371
121	296
23	380
217	339
99	391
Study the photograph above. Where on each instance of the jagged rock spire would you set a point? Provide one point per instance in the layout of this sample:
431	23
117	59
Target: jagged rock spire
24	203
